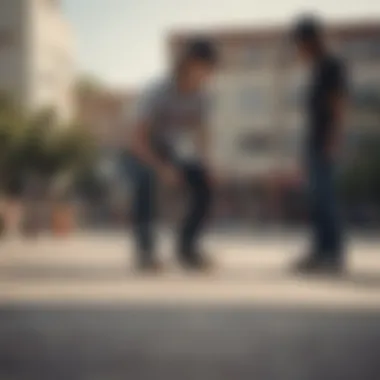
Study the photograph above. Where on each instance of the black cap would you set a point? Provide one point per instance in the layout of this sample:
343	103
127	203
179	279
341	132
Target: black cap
201	49
307	29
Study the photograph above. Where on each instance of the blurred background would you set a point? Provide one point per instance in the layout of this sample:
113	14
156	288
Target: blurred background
71	72
70	75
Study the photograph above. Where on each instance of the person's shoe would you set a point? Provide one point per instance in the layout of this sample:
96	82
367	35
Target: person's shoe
197	262
313	264
306	264
149	266
332	266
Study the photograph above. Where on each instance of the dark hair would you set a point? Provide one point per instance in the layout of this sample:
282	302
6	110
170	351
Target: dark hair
202	50
307	29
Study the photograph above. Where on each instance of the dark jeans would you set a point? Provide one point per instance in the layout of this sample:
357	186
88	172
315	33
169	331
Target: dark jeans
327	234
144	205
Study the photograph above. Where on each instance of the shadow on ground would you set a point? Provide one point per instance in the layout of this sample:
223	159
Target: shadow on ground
117	343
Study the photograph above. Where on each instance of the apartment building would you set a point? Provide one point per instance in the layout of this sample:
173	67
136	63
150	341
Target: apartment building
37	56
257	114
257	117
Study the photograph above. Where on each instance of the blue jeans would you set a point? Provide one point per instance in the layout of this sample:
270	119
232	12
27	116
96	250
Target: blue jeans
144	185
327	231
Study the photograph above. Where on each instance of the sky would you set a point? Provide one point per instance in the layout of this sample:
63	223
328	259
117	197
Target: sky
122	42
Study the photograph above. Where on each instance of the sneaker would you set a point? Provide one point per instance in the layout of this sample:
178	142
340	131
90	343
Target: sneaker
197	262
313	264
150	265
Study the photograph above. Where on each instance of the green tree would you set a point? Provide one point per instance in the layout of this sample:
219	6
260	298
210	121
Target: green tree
88	85
12	126
361	179
39	147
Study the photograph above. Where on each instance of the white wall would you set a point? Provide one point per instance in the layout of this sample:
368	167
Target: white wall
12	49
243	106
37	66
52	59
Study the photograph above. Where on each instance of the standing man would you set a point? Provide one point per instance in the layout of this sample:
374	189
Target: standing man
170	142
325	109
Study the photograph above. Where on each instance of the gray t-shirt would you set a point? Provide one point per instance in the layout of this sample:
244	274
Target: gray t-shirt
173	116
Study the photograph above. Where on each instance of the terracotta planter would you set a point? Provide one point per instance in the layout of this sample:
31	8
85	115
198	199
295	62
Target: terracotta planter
63	220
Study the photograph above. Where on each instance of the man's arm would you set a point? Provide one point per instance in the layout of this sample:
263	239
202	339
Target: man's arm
139	142
338	106
203	137
204	150
139	146
202	144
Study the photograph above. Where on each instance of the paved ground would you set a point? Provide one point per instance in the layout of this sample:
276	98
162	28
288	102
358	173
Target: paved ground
93	268
74	309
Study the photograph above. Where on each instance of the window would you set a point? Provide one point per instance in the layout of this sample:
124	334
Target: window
252	57
52	3
295	87
244	56
255	142
294	96
367	95
6	39
361	48
253	99
47	78
291	142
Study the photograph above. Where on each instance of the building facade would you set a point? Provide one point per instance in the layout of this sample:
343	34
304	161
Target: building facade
257	115
107	114
37	59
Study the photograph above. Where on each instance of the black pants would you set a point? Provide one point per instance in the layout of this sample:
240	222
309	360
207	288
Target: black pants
327	231
144	206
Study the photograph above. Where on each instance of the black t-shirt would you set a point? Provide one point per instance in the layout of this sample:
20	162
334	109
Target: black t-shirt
327	80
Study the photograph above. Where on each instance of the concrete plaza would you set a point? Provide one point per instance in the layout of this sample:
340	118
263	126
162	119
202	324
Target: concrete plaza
250	269
74	309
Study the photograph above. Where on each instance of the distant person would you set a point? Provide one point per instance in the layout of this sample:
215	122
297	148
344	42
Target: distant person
170	142
325	111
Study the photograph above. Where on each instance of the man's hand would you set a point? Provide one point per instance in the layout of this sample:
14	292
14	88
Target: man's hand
213	177
332	149
339	108
170	175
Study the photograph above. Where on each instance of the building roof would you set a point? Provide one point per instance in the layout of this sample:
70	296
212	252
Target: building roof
347	29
